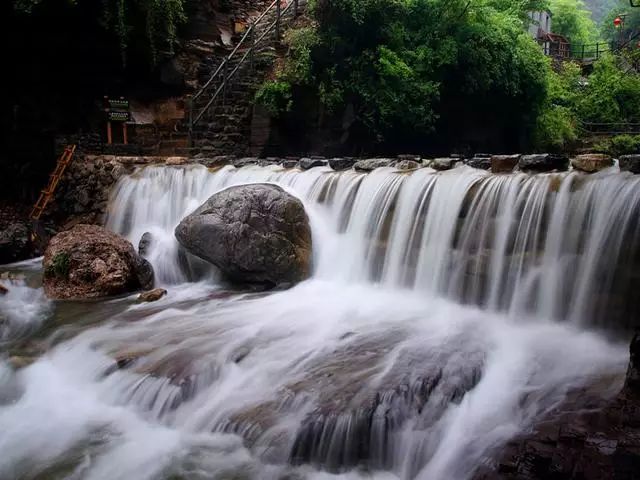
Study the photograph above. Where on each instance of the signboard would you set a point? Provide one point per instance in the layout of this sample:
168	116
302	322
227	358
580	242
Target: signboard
118	104
115	116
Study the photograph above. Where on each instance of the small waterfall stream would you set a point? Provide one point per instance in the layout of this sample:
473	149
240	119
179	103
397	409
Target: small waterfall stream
447	311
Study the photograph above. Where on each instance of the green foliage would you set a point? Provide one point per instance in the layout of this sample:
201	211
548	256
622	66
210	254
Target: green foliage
612	94
149	25
403	64
60	265
298	66
572	19
275	96
620	145
631	23
557	125
600	8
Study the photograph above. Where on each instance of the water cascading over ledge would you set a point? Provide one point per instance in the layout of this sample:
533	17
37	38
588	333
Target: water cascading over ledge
555	246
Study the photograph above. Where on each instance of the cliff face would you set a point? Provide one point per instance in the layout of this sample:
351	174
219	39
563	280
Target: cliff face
62	62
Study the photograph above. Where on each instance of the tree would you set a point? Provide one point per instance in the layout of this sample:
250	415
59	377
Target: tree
149	25
572	19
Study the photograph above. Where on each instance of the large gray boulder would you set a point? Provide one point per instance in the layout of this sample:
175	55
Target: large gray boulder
89	261
255	234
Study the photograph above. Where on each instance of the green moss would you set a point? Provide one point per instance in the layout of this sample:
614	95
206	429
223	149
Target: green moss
60	265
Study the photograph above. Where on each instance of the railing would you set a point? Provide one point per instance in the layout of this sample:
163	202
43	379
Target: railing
576	52
223	69
584	52
616	128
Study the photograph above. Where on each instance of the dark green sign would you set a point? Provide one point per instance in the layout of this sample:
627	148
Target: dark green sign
119	116
118	104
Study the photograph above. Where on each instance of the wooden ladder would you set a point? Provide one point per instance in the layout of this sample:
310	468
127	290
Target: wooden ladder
54	179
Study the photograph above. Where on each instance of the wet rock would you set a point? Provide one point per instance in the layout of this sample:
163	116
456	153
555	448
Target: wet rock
145	243
255	234
244	162
632	383
544	162
592	162
89	261
215	162
339	164
630	163
408	165
446	163
504	163
308	163
413	158
3	290
289	163
152	295
479	161
371	164
15	243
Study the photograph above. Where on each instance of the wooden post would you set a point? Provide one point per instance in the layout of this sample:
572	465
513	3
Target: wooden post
124	133
109	134
278	10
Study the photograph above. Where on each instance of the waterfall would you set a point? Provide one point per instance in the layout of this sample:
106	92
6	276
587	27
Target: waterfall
558	246
447	313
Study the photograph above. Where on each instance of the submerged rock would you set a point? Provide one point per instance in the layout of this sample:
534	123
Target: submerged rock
152	295
89	261
504	163
3	290
371	164
591	162
255	234
544	162
630	163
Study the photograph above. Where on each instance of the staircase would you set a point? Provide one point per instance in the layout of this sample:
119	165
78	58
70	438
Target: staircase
220	112
54	179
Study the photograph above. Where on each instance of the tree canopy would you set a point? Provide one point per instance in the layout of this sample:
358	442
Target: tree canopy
572	19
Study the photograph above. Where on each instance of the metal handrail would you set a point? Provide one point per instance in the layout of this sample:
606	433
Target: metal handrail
233	52
224	65
240	63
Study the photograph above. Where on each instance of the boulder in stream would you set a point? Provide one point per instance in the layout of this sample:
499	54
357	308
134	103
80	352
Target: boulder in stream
591	162
255	234
504	163
152	295
3	290
371	164
89	261
544	162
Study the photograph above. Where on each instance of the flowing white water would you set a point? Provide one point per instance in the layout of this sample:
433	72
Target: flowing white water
446	312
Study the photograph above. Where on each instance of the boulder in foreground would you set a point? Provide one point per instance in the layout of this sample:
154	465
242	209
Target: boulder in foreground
89	261
255	234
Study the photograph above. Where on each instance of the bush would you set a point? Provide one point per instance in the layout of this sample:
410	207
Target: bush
275	96
620	145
